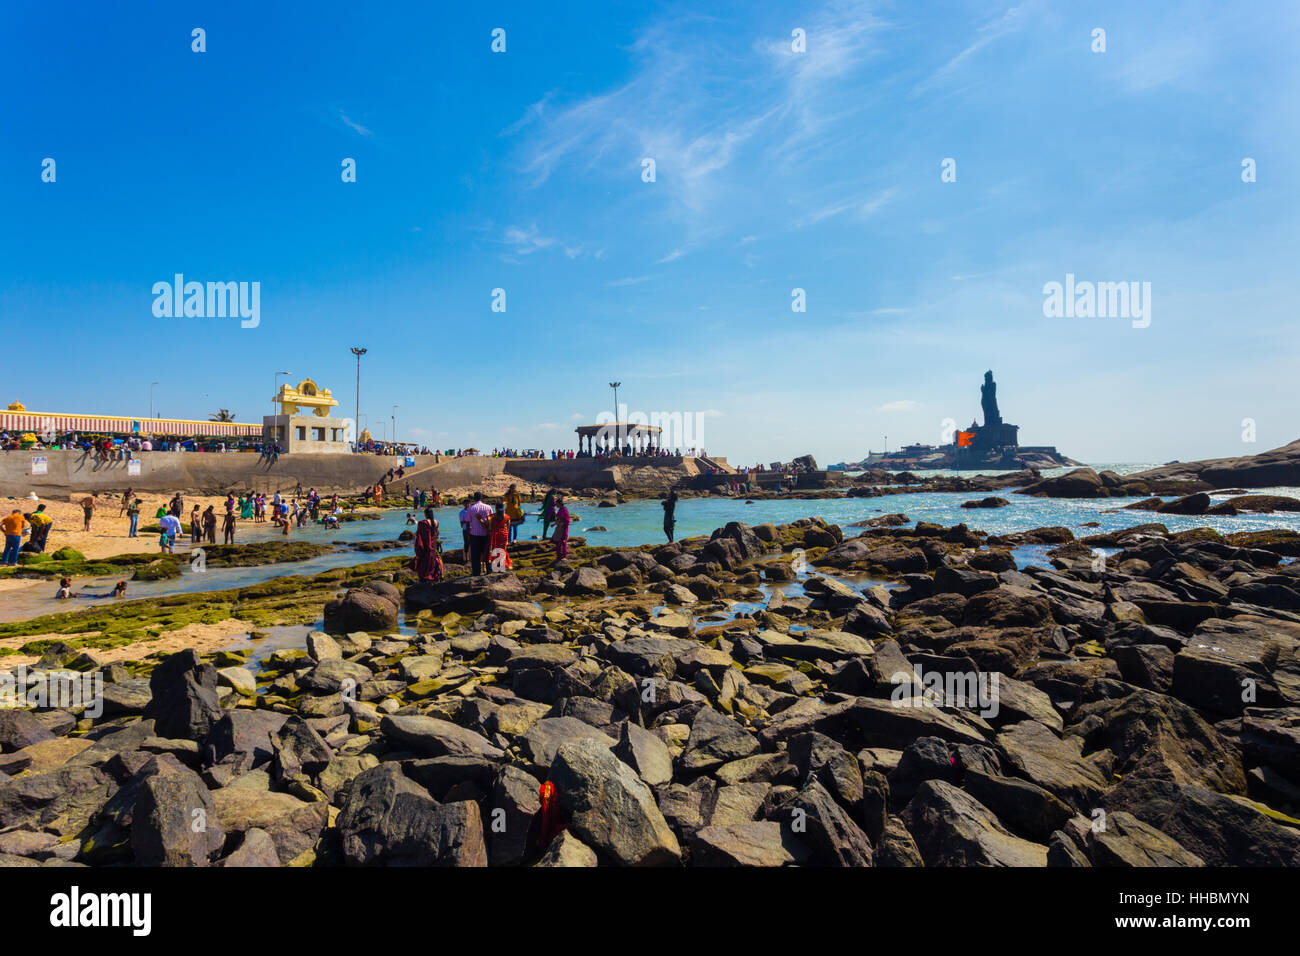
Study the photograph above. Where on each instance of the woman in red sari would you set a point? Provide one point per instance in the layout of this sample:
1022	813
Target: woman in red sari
499	539
428	558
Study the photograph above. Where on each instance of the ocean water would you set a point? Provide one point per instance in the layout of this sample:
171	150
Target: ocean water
641	522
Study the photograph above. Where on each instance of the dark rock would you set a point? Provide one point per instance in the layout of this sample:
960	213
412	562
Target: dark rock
612	810
1024	807
174	822
429	735
466	593
756	843
361	609
1127	841
952	828
19	729
1220	830
715	740
184	702
825	828
388	819
514	804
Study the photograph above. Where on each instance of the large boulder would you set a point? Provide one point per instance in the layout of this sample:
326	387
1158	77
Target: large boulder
1056	764
466	593
952	828
1227	658
362	609
1194	504
756	843
831	835
174	822
1220	830
1157	736
387	819
294	825
184	703
436	738
585	581
515	802
613	811
1080	483
544	738
714	740
19	729
1127	841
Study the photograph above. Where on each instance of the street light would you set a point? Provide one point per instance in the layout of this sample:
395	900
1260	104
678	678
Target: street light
151	387
618	440
358	353
275	386
394	418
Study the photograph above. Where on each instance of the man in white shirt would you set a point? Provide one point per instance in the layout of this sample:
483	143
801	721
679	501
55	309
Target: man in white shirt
477	517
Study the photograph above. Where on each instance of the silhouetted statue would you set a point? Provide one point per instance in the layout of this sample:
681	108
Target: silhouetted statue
989	401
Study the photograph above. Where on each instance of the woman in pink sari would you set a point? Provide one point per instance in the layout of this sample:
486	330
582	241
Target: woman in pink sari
428	558
560	537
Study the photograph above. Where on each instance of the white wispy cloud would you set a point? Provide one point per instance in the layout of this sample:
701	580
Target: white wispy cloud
1011	20
526	240
902	405
676	109
672	256
352	124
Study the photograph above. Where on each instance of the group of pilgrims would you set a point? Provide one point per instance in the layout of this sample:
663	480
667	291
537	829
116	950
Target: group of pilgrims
488	530
283	512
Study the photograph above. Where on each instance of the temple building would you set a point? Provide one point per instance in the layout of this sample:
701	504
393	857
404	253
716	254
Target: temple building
629	438
304	423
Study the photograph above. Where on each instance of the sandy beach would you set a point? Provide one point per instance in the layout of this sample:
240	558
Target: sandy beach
203	638
108	529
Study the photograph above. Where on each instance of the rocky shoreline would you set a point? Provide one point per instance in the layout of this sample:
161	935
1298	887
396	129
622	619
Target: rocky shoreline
766	696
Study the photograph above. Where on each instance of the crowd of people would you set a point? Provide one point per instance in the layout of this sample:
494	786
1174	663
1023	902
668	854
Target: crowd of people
487	531
116	448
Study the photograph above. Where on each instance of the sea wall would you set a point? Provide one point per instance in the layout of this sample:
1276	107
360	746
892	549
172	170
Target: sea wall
74	472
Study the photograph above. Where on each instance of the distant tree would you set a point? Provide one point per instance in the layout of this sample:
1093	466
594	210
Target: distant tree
222	415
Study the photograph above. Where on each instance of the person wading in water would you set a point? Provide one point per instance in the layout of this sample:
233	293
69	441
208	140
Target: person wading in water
669	505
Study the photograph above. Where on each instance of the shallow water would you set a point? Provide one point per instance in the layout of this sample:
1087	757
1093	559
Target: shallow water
641	522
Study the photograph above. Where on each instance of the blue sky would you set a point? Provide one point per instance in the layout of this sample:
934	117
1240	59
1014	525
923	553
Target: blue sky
775	170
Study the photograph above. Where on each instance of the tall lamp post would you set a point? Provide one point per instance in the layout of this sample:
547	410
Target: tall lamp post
394	418
275	385
358	353
151	388
618	440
